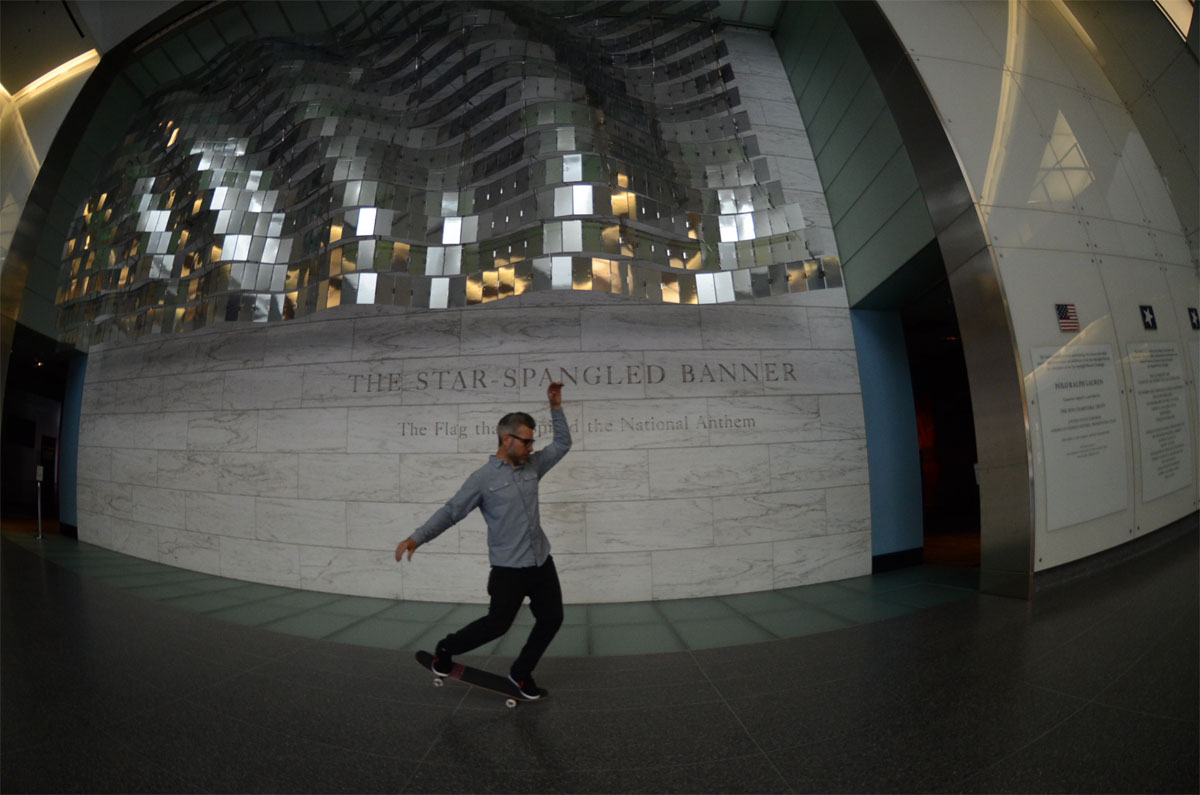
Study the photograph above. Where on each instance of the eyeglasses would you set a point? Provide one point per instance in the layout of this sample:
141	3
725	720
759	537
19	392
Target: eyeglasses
527	442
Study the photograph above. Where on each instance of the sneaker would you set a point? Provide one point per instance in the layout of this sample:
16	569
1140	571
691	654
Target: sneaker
443	662
526	687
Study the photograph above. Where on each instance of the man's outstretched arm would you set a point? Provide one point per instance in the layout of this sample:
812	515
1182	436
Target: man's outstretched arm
450	514
552	453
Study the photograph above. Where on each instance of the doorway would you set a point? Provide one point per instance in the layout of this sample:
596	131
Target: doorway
945	430
31	428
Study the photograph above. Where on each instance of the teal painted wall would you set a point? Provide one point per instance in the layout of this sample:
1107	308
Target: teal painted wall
892	452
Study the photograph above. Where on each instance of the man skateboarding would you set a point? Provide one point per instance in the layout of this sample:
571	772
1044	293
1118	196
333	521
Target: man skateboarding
505	490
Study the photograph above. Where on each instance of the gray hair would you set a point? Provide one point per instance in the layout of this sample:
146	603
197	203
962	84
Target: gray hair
510	422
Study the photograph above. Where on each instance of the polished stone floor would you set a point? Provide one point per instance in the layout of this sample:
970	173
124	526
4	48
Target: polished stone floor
588	630
115	678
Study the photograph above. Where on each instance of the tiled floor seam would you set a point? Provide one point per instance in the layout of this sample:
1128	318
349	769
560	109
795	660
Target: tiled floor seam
742	725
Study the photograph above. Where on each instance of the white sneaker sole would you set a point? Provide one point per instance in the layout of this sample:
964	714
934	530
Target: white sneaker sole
524	695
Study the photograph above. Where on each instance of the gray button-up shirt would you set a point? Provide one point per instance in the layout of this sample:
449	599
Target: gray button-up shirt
507	496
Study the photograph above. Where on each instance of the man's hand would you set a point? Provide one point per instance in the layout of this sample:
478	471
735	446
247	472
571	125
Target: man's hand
407	544
554	393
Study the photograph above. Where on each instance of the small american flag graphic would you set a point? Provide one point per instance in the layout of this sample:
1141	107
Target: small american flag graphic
1068	319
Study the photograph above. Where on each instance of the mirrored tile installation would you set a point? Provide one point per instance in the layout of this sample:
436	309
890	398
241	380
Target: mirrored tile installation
434	156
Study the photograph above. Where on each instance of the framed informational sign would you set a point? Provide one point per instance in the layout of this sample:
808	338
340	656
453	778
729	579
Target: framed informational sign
1159	387
1083	442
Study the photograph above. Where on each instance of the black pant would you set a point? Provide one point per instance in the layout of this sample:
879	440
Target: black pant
508	589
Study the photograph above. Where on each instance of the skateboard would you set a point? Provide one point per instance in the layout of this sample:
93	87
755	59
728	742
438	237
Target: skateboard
477	678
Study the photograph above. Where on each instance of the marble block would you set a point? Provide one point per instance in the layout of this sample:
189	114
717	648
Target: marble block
763	420
193	392
848	509
147	505
405	429
759	518
649	525
138	467
632	328
258	473
234	431
459	379
95	462
812	560
139	396
436	577
189	471
350	571
170	357
377	383
727	470
231	350
380	526
306	522
565	524
93	527
157	431
508	331
754	326
830	328
260	561
309	341
733	373
129	537
99	397
812	372
117	363
626	424
302	430
595	375
682	574
605	577
190	550
262	388
413	333
586	475
435	478
335	476
92	496
219	514
813	465
474	428
782	142
842	417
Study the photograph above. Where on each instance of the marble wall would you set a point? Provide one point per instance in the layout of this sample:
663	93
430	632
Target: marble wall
718	449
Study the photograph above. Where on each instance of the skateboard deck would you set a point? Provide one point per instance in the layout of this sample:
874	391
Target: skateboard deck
476	678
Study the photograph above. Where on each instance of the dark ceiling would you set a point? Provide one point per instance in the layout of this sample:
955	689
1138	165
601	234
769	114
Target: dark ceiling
38	35
35	37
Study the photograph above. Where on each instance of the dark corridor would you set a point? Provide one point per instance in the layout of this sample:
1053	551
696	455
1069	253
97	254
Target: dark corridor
945	430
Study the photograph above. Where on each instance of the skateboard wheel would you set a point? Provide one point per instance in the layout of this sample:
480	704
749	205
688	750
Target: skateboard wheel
439	682
511	703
